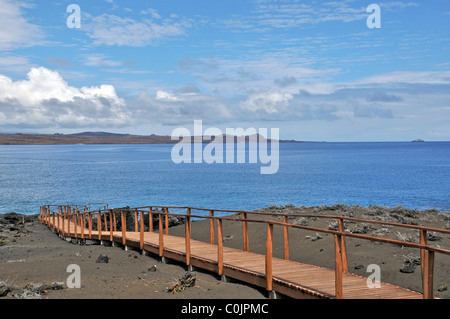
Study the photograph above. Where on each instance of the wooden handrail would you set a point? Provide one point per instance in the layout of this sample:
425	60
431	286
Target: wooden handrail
445	231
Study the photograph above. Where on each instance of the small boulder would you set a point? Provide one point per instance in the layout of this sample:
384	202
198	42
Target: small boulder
4	289
102	259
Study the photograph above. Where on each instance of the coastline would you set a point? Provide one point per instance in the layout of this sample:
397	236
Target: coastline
32	254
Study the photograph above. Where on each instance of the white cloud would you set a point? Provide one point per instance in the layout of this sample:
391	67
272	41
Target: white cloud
420	77
152	12
179	108
397	5
165	96
253	72
14	63
99	59
45	98
269	102
273	14
15	30
108	29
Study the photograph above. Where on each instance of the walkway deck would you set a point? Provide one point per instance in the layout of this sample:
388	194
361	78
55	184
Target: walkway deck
290	278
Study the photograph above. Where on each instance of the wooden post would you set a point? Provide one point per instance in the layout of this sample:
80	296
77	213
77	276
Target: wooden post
211	228
64	221
69	213
58	221
269	252
286	239
114	219
111	235
245	231
167	220
99	225
135	221
427	267
423	241
83	221
60	211
188	236
150	220
343	246
75	219
161	237
338	266
219	247
90	225
124	228
428	278
141	237
106	221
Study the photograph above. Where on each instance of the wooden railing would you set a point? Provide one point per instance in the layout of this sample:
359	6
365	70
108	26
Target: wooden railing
107	221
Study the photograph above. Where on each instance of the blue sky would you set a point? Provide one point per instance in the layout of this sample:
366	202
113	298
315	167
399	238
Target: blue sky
313	69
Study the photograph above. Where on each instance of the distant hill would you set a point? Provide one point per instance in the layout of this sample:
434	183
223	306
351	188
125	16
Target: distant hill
103	138
95	134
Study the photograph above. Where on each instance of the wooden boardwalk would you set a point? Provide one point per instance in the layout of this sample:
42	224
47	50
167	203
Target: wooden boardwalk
290	278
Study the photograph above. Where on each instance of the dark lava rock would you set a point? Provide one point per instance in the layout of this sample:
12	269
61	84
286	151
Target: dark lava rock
4	289
102	259
408	268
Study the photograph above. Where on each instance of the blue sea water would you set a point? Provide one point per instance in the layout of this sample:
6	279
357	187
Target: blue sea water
415	175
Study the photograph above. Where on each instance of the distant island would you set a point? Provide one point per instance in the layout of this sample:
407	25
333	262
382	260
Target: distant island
418	140
104	138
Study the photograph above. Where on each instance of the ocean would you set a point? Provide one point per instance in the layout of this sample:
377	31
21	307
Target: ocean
414	175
